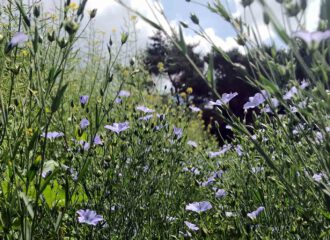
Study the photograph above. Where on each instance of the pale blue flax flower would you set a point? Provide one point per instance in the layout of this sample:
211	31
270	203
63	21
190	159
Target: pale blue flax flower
177	132
312	39
225	98
289	94
84	123
146	118
52	135
195	109
17	40
253	215
124	93
83	99
256	100
118	127
191	226
97	140
144	109
89	217
199	206
192	143
220	193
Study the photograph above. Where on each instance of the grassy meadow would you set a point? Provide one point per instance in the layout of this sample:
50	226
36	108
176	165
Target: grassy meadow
90	149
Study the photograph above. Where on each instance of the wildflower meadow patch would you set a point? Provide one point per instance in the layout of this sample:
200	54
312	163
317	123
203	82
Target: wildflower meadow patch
103	139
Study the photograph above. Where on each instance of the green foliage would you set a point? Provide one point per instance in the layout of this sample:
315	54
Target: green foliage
143	178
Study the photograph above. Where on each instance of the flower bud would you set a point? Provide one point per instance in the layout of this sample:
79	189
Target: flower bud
62	42
36	11
71	27
303	4
51	36
124	38
247	3
132	62
194	18
92	13
183	24
292	9
266	18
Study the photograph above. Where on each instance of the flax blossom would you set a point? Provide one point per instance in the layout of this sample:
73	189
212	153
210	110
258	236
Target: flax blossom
146	118
85	145
304	84
224	149
289	94
124	93
239	150
117	127
312	39
177	132
274	102
84	123
199	206
256	100
17	40
318	177
220	193
225	98
253	215
97	140
192	143
145	109
83	99
89	217
208	182
191	226
52	135
195	109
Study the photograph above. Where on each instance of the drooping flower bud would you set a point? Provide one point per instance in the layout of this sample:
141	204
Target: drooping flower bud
51	36
92	13
62	42
124	38
194	18
36	11
71	27
266	18
247	3
303	4
292	9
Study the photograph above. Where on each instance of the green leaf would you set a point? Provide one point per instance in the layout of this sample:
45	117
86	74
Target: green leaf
268	85
58	98
22	12
26	201
182	42
210	70
49	166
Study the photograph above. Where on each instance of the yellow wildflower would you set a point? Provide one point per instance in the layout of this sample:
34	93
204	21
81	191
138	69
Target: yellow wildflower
126	73
160	67
25	53
133	18
73	6
189	90
29	131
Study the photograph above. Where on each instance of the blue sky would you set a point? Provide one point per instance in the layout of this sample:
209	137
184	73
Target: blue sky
181	9
111	16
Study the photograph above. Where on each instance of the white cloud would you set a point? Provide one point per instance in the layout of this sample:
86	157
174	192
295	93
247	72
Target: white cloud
310	19
204	46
